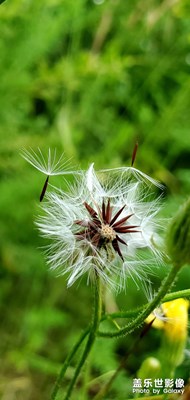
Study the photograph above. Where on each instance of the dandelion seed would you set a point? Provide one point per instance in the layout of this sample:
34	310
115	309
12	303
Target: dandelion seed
49	166
100	227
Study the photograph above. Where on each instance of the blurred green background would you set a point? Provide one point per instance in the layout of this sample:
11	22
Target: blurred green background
89	78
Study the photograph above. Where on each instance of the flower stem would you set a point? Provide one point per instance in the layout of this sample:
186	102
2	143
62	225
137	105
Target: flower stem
133	313
131	326
122	314
177	295
160	397
91	337
105	389
67	363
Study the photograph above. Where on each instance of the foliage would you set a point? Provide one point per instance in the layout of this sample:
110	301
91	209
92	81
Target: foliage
88	78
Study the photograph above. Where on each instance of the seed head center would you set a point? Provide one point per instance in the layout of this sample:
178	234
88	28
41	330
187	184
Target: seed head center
107	232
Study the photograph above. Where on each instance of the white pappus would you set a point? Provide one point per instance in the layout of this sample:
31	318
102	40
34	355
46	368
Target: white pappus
104	224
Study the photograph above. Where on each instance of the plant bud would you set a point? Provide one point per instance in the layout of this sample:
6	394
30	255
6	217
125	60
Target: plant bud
173	321
178	238
150	368
174	334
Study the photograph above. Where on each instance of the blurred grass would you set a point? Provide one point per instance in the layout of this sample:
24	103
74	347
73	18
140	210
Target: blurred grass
88	78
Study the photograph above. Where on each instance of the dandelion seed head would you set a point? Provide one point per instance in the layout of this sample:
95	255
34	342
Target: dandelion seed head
103	224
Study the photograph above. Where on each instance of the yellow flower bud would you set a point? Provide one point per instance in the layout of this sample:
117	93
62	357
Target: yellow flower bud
177	313
173	318
173	322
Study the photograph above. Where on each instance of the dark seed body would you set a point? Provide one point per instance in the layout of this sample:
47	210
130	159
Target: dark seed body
103	228
44	189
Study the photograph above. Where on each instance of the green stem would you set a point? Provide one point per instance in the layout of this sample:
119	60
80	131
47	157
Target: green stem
131	326
176	295
102	393
91	338
67	363
122	314
160	397
105	389
133	313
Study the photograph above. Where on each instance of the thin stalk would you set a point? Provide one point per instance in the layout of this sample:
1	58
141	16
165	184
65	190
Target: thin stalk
91	337
160	397
176	295
67	363
131	326
122	314
105	389
133	313
86	378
